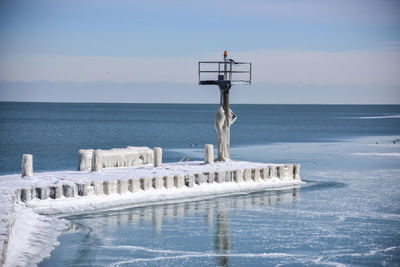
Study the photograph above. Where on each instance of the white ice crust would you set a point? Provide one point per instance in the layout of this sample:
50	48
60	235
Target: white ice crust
223	135
96	160
152	196
32	238
40	179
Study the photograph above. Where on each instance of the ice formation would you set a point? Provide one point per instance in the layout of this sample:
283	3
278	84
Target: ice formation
222	128
96	160
32	238
97	163
85	159
157	156
27	165
209	154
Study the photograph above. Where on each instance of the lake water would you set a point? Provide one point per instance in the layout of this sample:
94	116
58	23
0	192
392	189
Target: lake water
347	213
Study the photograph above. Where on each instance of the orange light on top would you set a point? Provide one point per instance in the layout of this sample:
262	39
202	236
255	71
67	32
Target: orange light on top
225	54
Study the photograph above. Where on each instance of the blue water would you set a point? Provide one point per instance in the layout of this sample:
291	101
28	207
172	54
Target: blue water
54	132
347	213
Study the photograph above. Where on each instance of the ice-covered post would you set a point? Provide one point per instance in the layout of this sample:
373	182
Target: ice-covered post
222	116
222	128
296	171
209	154
97	165
157	156
85	159
27	165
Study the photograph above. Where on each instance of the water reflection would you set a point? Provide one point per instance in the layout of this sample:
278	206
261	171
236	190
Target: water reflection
222	237
175	231
211	208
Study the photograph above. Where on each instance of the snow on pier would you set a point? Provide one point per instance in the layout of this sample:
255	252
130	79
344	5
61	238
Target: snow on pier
70	184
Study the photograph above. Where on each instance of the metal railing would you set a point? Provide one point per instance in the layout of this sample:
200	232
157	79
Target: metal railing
227	70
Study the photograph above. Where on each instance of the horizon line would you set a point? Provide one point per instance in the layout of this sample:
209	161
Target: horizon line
180	103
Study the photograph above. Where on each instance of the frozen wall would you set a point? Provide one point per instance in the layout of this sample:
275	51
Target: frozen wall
116	157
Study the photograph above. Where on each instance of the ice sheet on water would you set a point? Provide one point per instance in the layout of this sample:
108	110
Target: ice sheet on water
33	237
307	225
377	154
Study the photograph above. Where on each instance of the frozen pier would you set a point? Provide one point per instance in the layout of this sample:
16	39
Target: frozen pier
143	183
114	179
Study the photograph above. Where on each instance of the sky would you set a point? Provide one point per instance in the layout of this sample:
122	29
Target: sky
314	52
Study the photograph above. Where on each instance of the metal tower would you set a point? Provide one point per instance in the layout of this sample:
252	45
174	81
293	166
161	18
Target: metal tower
224	74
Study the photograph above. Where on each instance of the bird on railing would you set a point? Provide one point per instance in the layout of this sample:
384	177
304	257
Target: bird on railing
229	59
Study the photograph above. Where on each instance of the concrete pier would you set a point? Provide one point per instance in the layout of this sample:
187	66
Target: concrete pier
259	174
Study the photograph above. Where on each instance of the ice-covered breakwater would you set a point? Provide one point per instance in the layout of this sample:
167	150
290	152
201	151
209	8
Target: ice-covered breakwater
172	175
145	179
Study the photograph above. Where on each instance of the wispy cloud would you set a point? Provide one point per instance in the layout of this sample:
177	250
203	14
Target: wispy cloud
274	66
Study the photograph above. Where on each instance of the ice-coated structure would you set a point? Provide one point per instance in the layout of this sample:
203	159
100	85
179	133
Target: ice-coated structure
97	163
157	157
169	176
209	154
27	165
222	128
96	160
85	159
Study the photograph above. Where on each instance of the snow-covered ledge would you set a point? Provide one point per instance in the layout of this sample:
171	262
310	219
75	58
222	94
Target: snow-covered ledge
115	157
50	192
